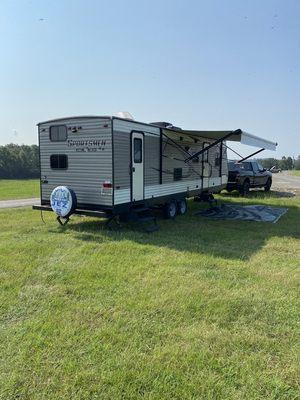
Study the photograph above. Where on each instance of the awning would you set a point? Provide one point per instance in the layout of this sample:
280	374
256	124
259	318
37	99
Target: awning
237	136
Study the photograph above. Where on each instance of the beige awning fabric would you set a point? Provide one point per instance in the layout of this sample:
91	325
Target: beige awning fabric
237	136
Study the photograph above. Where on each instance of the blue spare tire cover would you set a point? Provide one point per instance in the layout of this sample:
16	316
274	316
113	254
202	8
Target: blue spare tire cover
63	201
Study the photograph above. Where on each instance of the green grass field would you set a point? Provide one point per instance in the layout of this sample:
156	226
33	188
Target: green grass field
19	189
202	309
296	173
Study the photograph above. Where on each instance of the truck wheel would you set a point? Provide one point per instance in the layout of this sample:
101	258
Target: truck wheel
268	185
245	188
170	210
181	207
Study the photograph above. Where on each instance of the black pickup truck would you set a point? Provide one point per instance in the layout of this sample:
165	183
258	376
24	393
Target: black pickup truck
247	174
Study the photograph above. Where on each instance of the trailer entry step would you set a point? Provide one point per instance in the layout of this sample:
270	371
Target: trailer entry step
152	228
144	215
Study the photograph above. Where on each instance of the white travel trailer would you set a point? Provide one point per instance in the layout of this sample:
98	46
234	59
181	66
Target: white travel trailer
113	165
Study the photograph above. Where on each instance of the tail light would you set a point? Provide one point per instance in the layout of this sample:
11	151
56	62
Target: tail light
106	189
107	185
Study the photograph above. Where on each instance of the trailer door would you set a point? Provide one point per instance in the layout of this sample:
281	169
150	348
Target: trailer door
137	177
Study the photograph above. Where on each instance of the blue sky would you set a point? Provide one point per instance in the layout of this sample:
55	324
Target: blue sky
223	64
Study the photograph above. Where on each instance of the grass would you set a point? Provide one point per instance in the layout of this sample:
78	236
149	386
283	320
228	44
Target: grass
19	188
202	309
296	172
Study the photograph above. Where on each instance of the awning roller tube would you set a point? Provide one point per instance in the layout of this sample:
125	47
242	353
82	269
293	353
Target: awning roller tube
239	136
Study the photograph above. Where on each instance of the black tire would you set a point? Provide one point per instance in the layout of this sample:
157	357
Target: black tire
268	185
245	188
182	207
170	210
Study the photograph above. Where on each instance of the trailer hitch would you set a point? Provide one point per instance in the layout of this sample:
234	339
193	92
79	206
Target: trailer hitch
63	223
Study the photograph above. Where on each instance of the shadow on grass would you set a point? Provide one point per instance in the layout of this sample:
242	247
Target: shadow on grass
231	239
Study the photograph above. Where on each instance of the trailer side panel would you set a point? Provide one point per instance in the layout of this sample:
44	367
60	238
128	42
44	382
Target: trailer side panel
122	130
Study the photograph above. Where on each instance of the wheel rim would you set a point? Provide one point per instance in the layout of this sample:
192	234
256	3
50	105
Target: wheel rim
172	210
182	207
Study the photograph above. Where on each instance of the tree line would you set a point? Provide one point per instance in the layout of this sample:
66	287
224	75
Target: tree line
285	163
19	161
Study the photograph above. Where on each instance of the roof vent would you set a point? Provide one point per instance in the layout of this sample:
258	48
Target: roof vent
166	125
125	115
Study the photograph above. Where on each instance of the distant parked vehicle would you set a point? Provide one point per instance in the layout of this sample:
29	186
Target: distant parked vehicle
247	174
274	170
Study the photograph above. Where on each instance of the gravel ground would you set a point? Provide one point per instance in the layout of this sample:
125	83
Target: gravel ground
18	203
286	182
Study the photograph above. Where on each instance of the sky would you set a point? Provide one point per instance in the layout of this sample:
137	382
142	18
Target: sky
207	65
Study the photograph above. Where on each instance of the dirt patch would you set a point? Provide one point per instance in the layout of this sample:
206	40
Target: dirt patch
285	193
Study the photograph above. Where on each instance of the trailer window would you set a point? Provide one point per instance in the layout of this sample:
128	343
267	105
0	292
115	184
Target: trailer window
59	161
58	133
218	157
205	155
137	147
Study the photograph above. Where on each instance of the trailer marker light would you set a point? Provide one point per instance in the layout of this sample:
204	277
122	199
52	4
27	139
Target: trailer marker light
107	188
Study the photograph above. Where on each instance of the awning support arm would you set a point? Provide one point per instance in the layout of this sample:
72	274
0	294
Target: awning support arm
251	155
236	132
177	145
235	152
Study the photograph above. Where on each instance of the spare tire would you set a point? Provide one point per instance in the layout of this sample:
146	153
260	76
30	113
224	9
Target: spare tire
63	201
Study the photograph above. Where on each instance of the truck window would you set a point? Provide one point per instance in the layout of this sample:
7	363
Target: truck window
58	133
247	166
255	167
59	161
235	166
232	166
260	167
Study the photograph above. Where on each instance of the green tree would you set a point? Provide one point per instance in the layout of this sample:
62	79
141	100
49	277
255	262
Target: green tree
290	163
297	163
19	161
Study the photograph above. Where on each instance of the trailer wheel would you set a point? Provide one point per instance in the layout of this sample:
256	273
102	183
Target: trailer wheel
170	210
182	207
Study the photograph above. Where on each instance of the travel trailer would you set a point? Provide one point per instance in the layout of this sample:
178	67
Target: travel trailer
108	166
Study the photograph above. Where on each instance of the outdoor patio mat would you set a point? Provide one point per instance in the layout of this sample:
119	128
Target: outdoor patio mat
245	213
